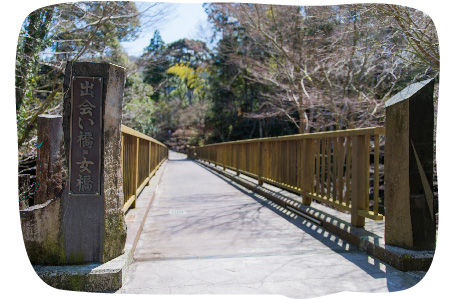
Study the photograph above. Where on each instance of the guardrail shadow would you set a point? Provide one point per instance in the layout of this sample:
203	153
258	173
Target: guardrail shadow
372	266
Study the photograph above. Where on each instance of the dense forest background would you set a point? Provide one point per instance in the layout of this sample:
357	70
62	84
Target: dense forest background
262	70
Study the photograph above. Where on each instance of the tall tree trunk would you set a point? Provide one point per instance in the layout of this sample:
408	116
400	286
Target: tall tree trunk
303	121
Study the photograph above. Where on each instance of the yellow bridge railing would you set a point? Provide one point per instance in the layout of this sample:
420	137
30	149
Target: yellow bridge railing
331	167
141	158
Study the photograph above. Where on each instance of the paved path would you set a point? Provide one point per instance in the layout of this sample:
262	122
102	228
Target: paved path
207	235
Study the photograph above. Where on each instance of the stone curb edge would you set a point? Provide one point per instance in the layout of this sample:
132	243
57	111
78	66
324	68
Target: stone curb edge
88	277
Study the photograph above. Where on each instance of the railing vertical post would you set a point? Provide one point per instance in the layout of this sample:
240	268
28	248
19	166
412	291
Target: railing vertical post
307	169
237	158
122	154
360	166
136	183
224	157
150	169
260	182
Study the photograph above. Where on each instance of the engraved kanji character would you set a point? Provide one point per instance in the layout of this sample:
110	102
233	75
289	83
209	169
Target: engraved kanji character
85	139
84	165
80	123
85	183
86	108
85	89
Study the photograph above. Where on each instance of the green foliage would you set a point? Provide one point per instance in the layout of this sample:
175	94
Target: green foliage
156	62
138	107
179	74
158	58
90	28
192	77
53	35
195	80
33	39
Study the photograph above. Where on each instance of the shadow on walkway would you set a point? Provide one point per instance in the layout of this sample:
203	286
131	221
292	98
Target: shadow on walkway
372	266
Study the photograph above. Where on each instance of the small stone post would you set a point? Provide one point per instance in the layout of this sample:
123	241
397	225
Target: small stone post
41	223
408	171
94	228
49	160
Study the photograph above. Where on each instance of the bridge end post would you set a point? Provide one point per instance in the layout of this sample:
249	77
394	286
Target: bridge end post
408	168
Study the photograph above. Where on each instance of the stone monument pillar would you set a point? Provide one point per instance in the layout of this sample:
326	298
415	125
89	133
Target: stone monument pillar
408	171
93	223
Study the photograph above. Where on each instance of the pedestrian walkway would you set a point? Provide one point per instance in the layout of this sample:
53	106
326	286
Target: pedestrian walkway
204	234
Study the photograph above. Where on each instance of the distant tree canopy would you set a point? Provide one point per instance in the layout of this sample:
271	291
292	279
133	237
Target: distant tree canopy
158	58
321	67
271	69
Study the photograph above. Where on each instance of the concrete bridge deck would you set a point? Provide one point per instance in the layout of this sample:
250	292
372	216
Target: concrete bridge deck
204	234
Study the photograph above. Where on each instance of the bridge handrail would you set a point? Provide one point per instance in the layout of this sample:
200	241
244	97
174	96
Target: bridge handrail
333	167
141	158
